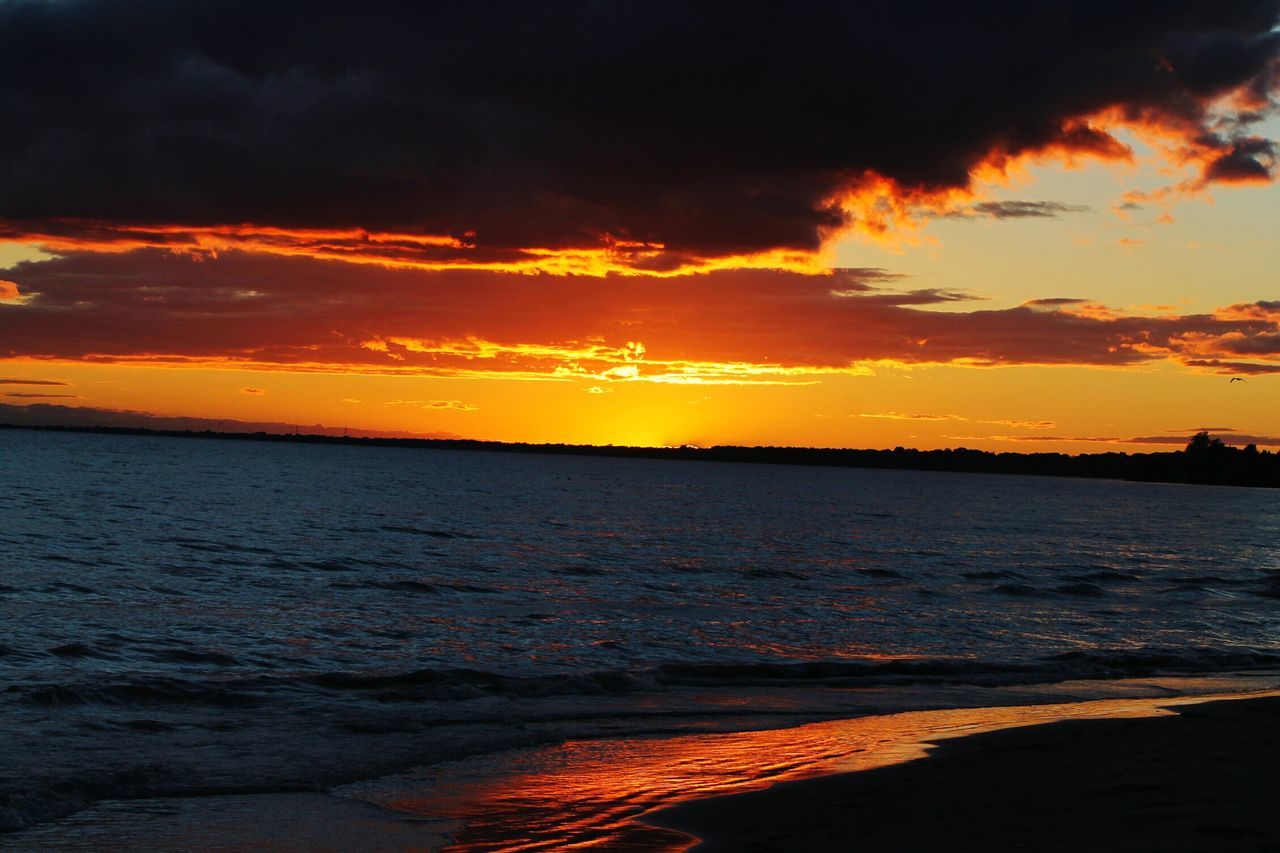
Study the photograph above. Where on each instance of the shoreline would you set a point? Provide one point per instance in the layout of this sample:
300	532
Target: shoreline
1197	773
661	792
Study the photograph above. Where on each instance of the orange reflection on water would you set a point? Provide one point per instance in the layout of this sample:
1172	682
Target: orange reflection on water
594	793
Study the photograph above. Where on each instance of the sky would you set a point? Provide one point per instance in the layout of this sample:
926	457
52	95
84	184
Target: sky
997	225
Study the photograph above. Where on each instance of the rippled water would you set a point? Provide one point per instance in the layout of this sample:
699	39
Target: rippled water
181	615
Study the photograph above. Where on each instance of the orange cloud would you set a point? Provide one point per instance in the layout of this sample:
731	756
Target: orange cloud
14	381
1024	424
1264	311
1231	437
603	256
895	416
10	293
729	327
456	405
928	417
30	395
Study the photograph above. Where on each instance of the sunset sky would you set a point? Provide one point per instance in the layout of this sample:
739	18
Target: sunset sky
1010	226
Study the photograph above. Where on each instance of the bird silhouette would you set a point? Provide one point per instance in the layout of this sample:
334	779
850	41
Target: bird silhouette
1236	379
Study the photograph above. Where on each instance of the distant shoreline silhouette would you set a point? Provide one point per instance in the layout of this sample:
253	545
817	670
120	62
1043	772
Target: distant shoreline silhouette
1204	461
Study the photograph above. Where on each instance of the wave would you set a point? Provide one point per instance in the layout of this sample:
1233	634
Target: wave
1105	576
453	684
135	691
420	531
1099	664
181	656
78	650
1076	589
52	800
460	684
381	705
432	587
65	586
1269	587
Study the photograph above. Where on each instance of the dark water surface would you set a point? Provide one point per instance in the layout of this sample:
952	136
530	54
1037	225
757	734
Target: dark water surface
185	616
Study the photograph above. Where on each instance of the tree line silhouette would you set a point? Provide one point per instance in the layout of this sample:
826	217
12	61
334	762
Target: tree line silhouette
1206	460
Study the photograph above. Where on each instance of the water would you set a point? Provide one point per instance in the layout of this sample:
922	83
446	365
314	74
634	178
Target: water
184	616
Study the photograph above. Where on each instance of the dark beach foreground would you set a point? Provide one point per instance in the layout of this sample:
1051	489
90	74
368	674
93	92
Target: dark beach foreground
1206	778
1097	775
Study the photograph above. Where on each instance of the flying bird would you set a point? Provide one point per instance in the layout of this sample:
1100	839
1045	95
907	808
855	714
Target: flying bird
1236	379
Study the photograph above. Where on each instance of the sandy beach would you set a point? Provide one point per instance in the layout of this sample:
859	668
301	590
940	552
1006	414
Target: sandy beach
1176	773
1203	779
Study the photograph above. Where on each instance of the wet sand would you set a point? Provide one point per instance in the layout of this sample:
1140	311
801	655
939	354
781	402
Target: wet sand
1207	778
281	823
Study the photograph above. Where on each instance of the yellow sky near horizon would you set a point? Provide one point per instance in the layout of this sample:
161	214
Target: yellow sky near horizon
929	407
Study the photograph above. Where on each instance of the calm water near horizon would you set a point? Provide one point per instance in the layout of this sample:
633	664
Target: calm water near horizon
182	616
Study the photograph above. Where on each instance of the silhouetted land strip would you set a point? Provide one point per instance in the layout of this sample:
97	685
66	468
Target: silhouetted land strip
1205	461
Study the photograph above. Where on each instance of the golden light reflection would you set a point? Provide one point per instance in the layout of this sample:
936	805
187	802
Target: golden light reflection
597	793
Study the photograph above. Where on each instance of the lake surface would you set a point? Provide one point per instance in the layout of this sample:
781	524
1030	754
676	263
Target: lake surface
204	616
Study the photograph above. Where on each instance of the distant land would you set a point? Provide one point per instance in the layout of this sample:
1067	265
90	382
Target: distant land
57	415
1205	460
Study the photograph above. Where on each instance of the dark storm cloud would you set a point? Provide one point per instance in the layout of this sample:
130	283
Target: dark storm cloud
1247	160
1018	210
1247	368
715	128
30	396
1054	302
